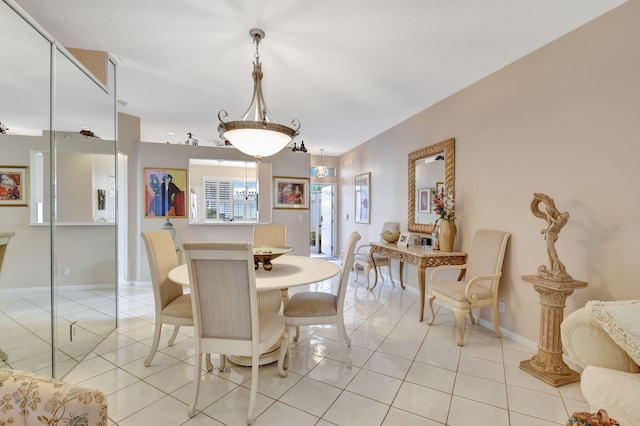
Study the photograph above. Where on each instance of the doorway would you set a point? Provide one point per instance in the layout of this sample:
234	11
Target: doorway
322	229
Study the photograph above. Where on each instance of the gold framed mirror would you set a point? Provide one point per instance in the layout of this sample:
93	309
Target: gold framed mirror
439	158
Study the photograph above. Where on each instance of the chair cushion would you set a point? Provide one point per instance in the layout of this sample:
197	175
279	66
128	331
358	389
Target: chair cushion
363	258
311	304
454	291
179	307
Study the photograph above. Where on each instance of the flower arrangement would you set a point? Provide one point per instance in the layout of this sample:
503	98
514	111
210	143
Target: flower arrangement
443	203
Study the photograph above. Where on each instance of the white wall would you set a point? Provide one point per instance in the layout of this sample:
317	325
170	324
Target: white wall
561	121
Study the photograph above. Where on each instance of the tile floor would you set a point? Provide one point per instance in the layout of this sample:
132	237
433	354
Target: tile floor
404	373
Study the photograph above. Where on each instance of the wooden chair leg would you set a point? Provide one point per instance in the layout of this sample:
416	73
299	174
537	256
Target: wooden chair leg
172	339
197	372
430	305
461	317
154	346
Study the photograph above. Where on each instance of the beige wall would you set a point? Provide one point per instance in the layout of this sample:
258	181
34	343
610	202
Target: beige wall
561	121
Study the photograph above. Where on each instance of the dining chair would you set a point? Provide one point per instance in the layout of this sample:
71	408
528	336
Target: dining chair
322	308
225	311
4	241
269	235
172	305
482	278
363	259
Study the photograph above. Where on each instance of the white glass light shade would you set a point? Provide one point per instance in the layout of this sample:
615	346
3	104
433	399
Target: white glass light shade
257	142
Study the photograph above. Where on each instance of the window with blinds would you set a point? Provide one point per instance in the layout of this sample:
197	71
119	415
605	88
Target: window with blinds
228	199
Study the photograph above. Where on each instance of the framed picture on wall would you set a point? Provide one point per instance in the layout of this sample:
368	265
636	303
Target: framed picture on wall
291	192
14	185
439	187
165	192
424	200
363	197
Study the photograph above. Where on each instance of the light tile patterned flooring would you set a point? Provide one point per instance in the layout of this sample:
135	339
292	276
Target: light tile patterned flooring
404	373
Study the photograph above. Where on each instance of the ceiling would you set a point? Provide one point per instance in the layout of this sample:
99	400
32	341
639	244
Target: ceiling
347	70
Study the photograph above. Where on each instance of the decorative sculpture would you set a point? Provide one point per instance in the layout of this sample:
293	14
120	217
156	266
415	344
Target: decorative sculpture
555	222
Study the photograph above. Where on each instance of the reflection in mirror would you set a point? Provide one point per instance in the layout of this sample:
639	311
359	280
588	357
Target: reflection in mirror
223	191
85	238
431	169
25	279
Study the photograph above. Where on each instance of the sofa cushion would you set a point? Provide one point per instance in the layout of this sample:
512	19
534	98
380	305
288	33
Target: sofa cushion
618	392
621	321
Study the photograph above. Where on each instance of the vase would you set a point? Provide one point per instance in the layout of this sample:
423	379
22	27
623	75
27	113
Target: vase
447	235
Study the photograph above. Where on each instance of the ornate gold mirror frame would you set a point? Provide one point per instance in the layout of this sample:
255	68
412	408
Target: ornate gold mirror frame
446	148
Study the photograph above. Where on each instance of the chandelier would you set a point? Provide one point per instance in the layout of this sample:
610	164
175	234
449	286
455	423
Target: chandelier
321	170
257	133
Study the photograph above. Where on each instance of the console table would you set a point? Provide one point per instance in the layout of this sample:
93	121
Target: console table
422	259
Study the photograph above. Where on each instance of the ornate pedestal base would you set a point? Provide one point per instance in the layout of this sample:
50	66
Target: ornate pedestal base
547	364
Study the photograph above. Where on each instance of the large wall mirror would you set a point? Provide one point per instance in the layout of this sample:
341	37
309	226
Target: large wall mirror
431	169
58	291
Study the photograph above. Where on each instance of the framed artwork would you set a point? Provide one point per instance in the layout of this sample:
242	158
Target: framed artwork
291	193
363	197
414	239
404	239
14	185
102	199
165	192
424	200
439	187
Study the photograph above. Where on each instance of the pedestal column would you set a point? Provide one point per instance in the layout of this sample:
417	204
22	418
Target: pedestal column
547	364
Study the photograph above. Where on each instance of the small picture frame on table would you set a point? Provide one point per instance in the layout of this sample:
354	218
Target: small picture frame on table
425	241
403	241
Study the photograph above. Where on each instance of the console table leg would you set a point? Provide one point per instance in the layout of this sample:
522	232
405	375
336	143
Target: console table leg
547	364
401	267
421	282
375	271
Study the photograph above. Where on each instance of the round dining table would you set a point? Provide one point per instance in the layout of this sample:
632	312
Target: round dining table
273	286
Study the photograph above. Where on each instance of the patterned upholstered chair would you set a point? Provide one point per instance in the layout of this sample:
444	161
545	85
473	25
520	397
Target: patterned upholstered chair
30	400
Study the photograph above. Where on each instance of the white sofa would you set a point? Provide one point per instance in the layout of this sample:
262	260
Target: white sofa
604	339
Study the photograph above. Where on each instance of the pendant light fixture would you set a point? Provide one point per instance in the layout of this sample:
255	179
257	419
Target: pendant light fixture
257	133
321	170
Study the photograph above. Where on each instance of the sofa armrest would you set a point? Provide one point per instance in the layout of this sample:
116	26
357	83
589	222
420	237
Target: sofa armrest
587	343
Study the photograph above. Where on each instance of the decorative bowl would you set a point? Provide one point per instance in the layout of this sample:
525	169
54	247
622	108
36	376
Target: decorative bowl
265	254
390	236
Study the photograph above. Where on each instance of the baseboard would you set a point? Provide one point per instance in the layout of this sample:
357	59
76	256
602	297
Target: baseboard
26	290
530	344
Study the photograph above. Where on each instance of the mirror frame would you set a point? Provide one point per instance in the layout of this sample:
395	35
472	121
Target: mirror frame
445	147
